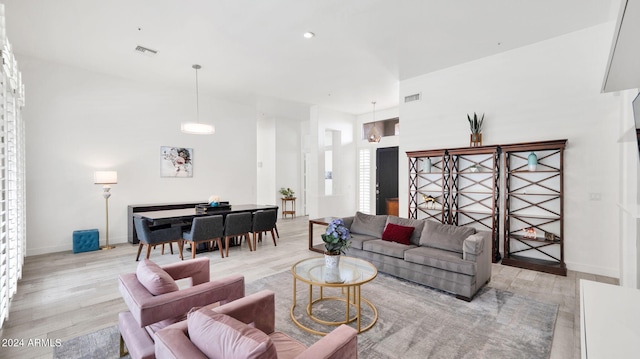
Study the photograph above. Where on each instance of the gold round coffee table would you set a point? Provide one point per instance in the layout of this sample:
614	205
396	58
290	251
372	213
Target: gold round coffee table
349	276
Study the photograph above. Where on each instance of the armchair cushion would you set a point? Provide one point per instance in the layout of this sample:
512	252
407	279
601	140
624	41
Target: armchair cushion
233	339
154	278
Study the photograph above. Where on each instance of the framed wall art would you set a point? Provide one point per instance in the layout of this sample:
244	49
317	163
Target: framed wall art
176	161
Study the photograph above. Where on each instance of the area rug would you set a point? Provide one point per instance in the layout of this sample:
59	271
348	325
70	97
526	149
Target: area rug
102	344
414	321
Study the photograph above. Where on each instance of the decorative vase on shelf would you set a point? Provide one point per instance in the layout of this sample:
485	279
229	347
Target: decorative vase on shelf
532	161
427	165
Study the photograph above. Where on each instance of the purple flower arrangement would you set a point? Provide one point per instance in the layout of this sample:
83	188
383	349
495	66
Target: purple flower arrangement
337	237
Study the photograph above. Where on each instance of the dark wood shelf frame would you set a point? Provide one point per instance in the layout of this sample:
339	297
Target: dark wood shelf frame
466	197
551	161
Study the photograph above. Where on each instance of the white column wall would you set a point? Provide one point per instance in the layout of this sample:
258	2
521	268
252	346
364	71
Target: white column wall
344	201
79	121
288	166
629	210
545	91
267	159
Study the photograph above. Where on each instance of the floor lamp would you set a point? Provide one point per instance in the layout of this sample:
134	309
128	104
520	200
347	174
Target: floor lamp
106	178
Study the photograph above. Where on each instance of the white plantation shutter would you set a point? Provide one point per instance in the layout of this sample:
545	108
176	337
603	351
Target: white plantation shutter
364	187
12	174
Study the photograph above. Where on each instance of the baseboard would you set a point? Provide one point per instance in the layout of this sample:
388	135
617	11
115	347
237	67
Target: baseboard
66	247
606	272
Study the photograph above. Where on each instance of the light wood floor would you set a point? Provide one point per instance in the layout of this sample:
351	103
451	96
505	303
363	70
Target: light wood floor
64	295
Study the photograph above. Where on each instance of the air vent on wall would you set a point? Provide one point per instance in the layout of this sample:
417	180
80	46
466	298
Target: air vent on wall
146	51
414	97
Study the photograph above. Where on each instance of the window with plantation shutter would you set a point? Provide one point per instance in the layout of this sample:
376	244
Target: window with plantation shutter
12	174
364	175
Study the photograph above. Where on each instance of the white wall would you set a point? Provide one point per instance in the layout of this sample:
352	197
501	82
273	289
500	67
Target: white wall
289	163
628	194
343	201
79	121
266	146
545	91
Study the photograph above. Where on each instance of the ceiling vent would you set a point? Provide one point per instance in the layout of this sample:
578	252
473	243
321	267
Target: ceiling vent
146	51
410	98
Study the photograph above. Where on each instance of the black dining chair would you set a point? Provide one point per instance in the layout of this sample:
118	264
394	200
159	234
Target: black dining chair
263	222
205	229
159	236
237	225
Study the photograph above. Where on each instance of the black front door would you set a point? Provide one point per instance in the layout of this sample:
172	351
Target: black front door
386	177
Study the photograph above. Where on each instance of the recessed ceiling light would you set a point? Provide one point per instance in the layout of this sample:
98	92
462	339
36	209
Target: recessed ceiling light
309	34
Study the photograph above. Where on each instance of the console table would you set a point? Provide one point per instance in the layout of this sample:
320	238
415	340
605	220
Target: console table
134	208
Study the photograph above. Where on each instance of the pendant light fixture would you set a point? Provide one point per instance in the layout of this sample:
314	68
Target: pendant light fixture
197	128
373	135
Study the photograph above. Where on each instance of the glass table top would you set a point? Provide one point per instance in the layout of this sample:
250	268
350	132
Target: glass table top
352	271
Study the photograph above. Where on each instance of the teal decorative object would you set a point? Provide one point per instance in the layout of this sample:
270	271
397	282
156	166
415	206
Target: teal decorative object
427	165
214	201
532	161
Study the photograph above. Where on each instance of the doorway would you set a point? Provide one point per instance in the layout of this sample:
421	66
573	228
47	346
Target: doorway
387	180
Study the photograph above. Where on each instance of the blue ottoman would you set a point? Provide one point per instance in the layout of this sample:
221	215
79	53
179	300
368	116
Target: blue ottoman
85	240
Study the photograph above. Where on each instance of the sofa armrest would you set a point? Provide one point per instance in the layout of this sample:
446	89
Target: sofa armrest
258	308
472	247
148	309
478	248
173	342
197	270
342	342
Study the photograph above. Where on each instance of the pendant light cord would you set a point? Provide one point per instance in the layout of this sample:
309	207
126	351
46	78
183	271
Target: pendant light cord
197	96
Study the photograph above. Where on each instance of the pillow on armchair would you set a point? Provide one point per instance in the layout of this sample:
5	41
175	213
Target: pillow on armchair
221	336
445	236
154	278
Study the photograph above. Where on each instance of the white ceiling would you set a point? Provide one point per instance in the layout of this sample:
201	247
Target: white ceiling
253	51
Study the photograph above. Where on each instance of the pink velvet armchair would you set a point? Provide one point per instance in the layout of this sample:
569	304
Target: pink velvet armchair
245	328
155	301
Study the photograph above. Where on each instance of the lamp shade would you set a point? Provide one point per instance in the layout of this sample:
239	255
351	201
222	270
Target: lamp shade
105	177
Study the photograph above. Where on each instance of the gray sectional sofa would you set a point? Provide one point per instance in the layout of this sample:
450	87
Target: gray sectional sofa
451	258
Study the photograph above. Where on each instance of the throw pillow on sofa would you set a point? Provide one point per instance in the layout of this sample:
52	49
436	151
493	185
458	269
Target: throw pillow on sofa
368	224
397	233
445	236
418	224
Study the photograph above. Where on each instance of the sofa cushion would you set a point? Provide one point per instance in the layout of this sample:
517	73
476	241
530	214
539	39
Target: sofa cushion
441	259
368	224
418	224
445	236
358	239
154	278
391	249
221	336
397	233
